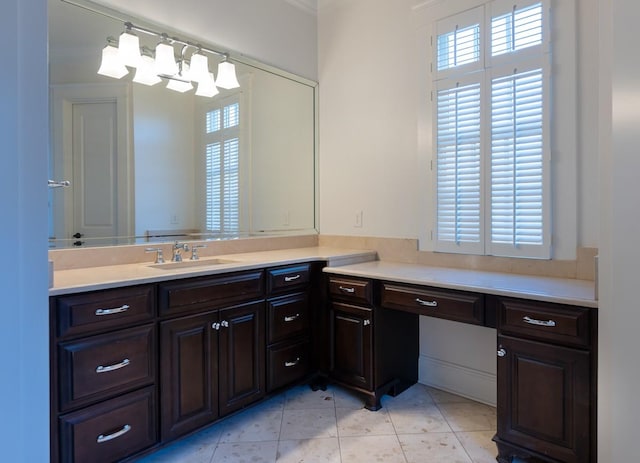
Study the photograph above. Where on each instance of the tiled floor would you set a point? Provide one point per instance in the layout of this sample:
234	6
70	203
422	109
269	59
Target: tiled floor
421	425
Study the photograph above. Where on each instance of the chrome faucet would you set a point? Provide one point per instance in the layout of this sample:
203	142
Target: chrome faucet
159	256
194	250
177	251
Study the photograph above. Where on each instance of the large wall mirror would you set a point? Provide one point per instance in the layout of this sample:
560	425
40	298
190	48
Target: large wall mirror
143	162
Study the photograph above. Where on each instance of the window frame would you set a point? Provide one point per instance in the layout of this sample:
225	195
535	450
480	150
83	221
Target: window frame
537	55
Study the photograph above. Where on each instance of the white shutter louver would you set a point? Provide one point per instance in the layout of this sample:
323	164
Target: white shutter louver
213	186
458	165
516	30
222	164
517	160
458	47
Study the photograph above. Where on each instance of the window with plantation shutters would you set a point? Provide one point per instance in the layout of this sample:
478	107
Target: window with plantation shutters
222	168
490	132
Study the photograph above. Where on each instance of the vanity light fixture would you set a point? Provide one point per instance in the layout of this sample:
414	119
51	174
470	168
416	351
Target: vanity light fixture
145	73
150	70
199	67
207	87
112	65
227	75
165	58
129	47
180	82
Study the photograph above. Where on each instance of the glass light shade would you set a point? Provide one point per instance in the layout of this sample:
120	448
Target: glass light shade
129	49
145	74
179	86
227	75
165	60
199	67
111	65
208	87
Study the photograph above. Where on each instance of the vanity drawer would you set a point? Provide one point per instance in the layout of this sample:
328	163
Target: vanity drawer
111	430
209	292
459	306
287	278
561	323
287	364
101	310
287	316
104	365
351	289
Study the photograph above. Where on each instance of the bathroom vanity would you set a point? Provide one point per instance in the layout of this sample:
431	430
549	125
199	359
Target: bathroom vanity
142	360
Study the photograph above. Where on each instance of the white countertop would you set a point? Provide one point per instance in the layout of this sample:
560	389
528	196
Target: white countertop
112	276
340	261
558	290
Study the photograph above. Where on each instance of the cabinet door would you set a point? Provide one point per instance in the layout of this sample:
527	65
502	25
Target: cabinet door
189	373
351	344
543	398
242	356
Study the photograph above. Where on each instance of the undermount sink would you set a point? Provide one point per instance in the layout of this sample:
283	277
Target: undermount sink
192	263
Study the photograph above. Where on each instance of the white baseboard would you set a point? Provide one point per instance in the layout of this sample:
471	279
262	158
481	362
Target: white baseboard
464	381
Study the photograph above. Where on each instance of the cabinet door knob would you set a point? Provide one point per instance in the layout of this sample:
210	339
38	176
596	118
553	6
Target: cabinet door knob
366	322
224	324
502	352
215	326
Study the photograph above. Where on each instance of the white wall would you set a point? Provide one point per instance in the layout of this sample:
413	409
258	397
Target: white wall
24	388
273	31
282	161
368	88
619	317
165	166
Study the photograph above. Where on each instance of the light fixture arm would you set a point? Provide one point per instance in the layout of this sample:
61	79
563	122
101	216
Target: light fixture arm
165	37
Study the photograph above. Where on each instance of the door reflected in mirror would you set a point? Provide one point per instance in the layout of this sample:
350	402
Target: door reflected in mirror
150	164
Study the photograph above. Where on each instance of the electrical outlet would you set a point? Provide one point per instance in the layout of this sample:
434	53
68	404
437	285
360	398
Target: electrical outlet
358	221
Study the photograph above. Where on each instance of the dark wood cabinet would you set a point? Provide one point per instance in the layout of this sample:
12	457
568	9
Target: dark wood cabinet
366	352
241	356
189	373
212	361
103	374
352	345
289	319
546	382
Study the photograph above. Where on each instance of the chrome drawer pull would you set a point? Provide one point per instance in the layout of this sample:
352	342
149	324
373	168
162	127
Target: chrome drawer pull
293	278
292	364
292	318
115	366
427	303
347	290
123	308
533	321
102	438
